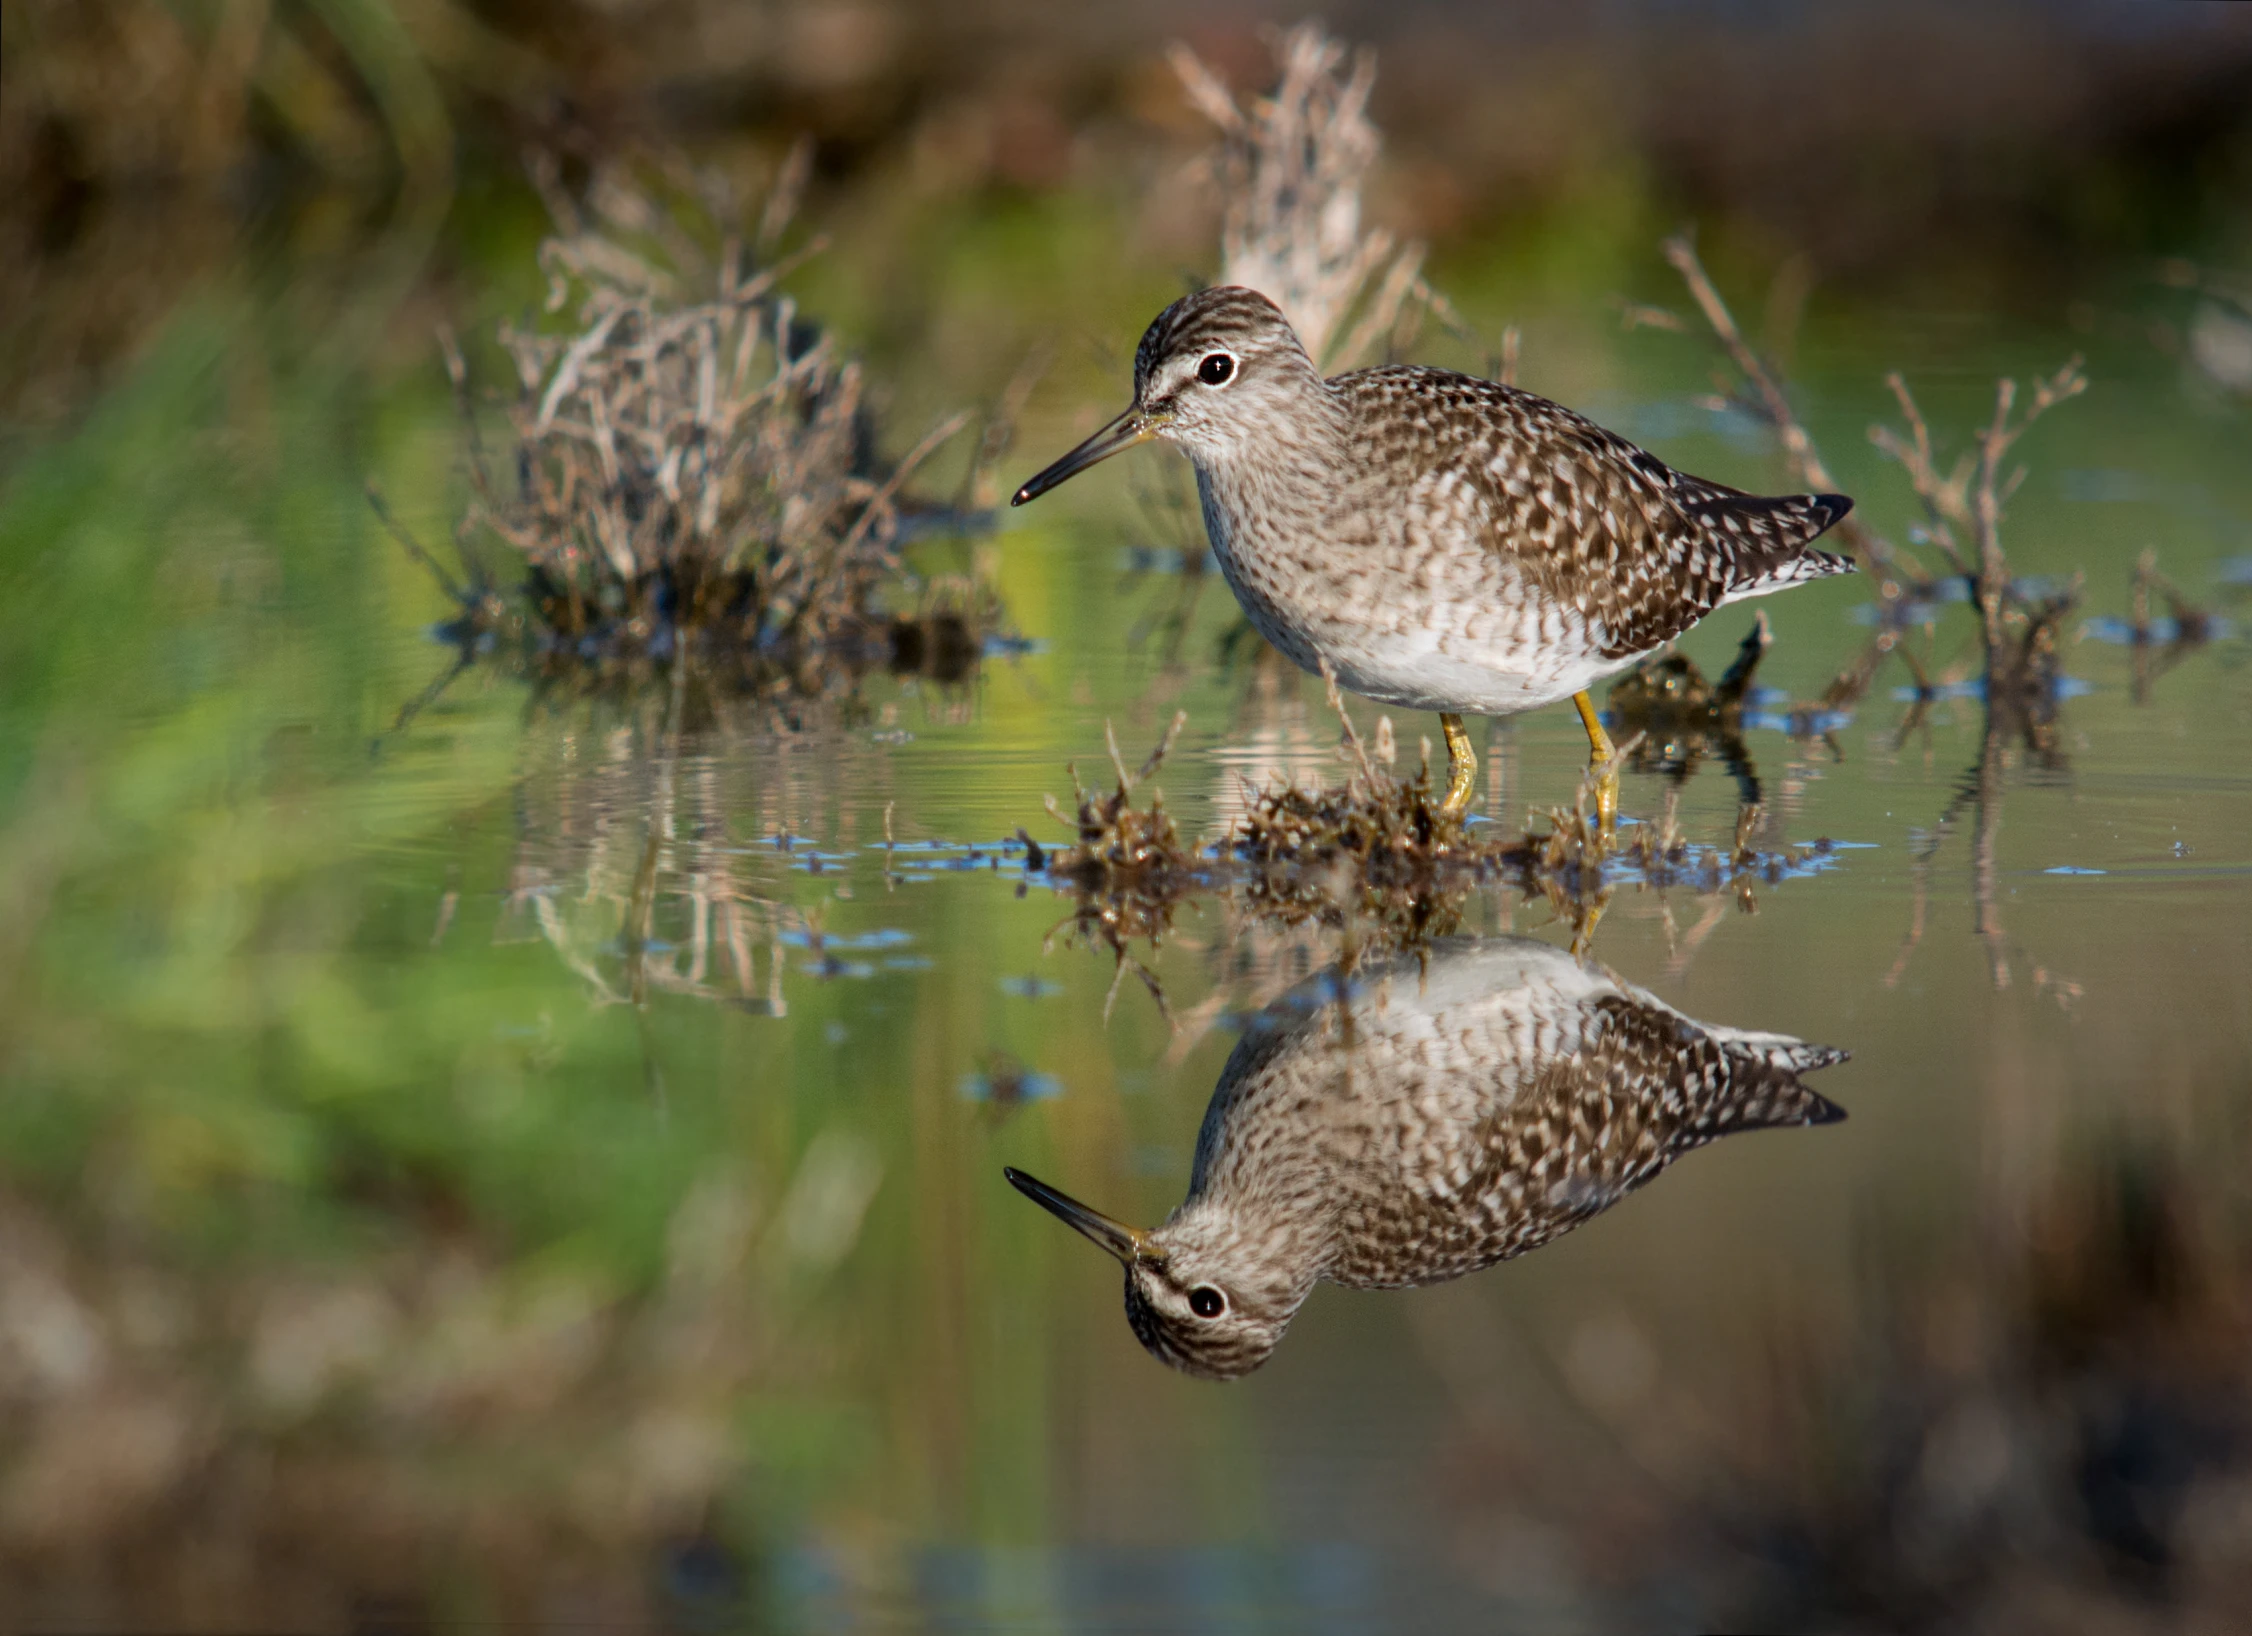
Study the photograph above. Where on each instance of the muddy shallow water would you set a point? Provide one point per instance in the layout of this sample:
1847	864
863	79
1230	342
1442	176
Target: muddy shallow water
545	1162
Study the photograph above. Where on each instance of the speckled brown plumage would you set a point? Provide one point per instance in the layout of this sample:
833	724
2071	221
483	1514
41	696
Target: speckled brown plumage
1454	1110
1443	542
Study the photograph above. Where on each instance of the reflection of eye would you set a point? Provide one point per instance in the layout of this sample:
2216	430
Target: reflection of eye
1204	1300
1216	369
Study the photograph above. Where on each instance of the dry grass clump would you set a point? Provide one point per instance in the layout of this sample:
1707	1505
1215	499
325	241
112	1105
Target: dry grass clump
1379	821
1119	842
1378	852
1127	863
1289	166
695	473
1373	858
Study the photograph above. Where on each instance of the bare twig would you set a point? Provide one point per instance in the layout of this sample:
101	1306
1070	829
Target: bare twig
1967	499
1876	554
1352	738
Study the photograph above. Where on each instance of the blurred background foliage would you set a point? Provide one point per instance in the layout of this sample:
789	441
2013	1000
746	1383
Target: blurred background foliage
1964	148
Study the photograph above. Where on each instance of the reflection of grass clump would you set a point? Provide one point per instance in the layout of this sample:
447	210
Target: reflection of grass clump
695	475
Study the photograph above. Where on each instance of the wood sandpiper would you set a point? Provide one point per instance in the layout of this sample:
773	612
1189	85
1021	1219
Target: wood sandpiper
1436	541
1422	1119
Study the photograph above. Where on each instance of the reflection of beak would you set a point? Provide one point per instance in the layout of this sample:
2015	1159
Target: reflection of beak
1128	429
1130	1244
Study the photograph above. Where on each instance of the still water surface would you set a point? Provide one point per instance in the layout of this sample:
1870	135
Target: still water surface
545	1163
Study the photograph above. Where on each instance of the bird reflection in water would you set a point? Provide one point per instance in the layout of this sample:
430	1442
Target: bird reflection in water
1426	1117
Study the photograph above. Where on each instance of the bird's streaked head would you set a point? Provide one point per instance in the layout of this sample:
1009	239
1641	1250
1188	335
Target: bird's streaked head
1218	372
1188	1299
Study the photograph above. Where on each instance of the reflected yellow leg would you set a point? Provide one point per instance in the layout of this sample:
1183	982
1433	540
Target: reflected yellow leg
1603	759
1462	766
1583	930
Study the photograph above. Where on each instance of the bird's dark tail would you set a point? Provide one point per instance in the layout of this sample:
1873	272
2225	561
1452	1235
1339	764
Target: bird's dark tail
1768	540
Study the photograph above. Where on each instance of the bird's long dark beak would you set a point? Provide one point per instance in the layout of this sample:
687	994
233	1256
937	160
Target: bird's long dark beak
1130	1244
1133	427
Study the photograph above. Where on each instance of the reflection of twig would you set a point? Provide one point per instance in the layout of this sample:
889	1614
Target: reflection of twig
1982	790
2193	626
430	694
1986	910
448	902
626	869
1919	892
414	547
1677	960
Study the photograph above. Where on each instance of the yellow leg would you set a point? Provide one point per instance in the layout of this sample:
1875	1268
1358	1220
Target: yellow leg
1462	766
1602	760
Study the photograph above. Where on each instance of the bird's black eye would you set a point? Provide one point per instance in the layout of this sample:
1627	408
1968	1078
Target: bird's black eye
1216	371
1204	1300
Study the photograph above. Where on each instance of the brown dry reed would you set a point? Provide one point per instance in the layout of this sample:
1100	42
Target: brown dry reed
1127	864
1289	167
694	461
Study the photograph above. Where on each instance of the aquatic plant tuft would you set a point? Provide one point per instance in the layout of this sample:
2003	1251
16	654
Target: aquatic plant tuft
693	468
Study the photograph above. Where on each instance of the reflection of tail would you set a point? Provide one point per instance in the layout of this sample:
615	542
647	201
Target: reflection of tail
1759	1085
1728	1079
1780	1049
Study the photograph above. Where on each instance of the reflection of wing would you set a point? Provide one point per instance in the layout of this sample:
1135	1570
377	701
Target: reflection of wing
1646	1087
1514	1093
